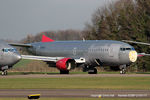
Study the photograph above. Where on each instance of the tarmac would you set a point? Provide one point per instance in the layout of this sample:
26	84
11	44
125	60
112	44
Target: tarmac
82	93
89	93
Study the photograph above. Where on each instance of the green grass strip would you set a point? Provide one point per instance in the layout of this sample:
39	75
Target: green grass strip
76	83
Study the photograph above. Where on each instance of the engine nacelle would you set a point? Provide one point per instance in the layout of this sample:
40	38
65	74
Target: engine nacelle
66	64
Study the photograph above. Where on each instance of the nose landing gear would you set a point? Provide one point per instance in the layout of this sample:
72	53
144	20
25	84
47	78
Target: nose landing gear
4	72
123	69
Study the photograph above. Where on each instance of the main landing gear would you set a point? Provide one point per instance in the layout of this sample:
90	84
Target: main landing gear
64	71
92	71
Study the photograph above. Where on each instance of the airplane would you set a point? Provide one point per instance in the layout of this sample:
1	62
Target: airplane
67	55
8	57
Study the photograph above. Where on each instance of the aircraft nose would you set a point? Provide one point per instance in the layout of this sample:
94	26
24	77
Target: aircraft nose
133	56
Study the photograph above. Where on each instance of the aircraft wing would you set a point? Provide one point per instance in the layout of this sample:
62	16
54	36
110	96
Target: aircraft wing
136	42
52	59
20	45
43	58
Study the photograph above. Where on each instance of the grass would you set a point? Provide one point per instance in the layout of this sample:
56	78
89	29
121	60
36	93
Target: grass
27	73
10	72
78	99
22	63
143	73
76	83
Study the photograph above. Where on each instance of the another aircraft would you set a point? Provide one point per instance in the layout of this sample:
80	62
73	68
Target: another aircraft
8	57
67	55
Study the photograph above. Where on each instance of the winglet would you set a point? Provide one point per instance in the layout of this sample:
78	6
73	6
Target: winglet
46	39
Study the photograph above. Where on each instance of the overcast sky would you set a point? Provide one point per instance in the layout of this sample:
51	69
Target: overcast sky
21	17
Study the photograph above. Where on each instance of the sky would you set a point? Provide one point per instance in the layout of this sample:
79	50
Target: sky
18	18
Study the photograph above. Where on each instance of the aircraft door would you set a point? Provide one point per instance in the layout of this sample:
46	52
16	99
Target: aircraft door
111	51
114	50
74	51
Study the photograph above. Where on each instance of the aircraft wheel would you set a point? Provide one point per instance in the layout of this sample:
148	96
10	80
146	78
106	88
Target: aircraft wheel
64	72
4	72
92	71
123	71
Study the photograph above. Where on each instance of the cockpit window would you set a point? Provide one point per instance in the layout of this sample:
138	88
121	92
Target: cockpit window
132	49
128	48
9	50
124	49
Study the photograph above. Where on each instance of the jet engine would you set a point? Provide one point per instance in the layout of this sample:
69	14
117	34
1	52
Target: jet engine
66	64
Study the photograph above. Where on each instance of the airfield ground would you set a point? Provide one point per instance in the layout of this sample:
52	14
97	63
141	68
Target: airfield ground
76	81
78	99
75	85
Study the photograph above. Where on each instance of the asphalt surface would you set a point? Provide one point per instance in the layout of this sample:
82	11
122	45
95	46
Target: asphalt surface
90	93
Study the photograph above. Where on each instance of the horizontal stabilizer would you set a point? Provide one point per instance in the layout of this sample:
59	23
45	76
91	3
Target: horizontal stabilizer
20	45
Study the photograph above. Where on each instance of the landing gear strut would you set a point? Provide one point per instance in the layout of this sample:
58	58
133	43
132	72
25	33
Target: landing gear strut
4	72
92	71
123	69
89	69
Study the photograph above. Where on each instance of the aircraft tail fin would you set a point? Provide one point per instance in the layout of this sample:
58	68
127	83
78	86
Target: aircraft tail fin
46	39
